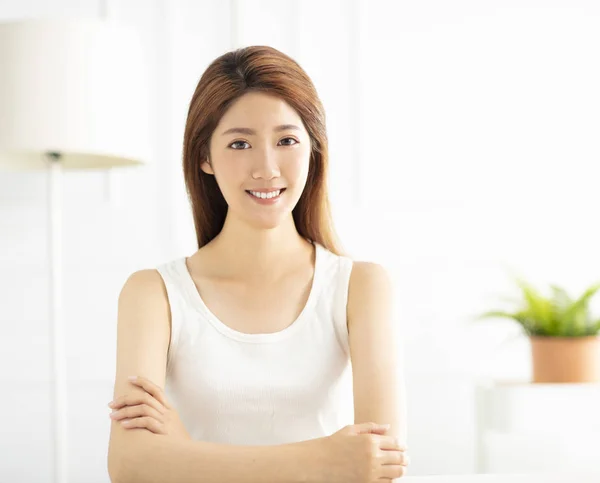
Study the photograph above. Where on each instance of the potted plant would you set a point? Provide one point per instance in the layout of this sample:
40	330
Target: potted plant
565	342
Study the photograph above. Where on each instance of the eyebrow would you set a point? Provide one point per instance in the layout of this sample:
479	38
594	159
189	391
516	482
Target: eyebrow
252	132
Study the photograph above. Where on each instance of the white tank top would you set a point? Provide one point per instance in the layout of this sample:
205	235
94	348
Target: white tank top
261	389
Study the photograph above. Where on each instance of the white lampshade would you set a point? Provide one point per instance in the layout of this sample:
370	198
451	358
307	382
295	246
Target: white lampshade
75	87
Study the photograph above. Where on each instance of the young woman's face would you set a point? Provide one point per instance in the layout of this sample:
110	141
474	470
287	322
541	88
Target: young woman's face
259	155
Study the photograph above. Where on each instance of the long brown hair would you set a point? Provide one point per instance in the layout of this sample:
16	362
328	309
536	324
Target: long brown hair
264	69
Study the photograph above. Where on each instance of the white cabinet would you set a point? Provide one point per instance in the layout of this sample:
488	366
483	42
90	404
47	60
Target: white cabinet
536	428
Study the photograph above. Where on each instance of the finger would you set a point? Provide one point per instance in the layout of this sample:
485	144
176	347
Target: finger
394	458
391	443
135	399
150	424
151	388
371	428
129	412
390	472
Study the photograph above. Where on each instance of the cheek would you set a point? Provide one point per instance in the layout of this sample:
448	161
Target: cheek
228	177
298	170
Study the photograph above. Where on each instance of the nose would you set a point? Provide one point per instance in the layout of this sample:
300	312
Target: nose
266	166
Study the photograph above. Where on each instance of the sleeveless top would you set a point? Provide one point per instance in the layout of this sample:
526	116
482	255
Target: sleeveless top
261	389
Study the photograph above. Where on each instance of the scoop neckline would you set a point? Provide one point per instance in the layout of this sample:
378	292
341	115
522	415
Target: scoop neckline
199	304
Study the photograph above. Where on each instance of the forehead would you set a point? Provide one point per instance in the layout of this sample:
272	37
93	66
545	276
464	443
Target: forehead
257	109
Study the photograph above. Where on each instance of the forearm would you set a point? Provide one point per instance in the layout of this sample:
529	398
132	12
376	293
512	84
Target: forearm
158	459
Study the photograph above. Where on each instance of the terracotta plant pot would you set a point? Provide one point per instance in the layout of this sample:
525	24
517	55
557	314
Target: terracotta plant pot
565	359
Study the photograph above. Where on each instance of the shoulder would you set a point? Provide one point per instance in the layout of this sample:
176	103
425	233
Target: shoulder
369	291
143	280
145	286
143	302
369	276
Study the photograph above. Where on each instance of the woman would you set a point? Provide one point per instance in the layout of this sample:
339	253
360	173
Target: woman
254	333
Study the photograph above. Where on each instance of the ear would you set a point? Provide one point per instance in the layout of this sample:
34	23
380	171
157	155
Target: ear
206	167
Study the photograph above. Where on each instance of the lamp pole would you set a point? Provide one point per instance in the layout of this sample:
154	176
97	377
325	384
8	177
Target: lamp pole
58	359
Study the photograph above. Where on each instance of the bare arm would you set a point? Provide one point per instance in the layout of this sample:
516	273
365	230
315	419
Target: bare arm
378	381
140	456
153	458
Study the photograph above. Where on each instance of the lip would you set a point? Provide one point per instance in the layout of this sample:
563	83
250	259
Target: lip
266	201
266	190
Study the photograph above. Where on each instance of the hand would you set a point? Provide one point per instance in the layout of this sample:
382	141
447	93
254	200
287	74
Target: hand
149	410
362	453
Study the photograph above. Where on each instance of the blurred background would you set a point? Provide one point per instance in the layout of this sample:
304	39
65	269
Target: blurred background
463	142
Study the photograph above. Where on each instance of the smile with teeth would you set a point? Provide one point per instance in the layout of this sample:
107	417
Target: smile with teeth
266	195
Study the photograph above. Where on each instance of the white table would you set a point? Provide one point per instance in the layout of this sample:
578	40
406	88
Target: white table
524	428
508	478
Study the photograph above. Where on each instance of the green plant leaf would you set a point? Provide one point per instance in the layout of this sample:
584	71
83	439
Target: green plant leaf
558	315
538	309
560	298
560	301
495	313
577	314
521	317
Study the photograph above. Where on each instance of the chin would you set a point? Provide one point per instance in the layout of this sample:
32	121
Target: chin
267	223
266	218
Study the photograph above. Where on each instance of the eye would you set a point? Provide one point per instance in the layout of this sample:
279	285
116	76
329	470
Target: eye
237	142
233	144
295	142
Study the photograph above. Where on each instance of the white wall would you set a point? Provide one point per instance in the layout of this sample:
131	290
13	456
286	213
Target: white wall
105	239
463	140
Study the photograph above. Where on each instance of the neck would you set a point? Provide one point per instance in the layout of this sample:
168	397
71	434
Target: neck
250	252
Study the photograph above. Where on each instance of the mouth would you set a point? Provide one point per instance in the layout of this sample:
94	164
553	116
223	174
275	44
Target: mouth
269	195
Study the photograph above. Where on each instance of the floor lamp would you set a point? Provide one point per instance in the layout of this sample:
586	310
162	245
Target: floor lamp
72	97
